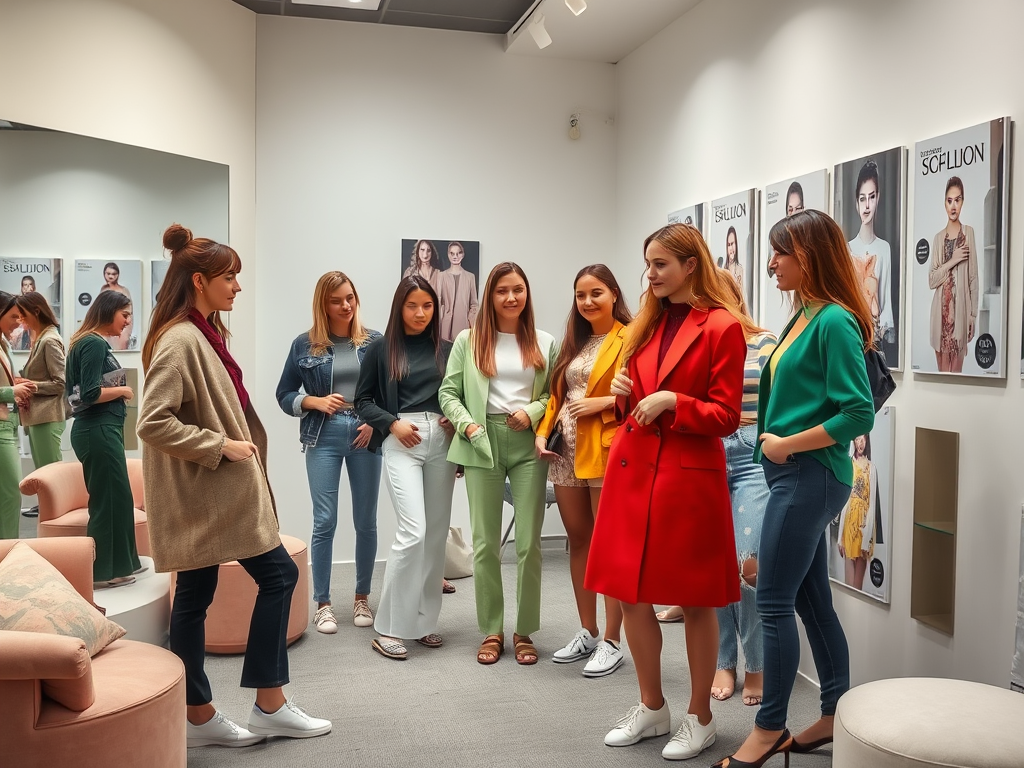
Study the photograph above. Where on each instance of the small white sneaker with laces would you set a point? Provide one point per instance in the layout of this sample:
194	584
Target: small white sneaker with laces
606	659
691	739
639	723
362	616
324	620
288	721
580	647
219	731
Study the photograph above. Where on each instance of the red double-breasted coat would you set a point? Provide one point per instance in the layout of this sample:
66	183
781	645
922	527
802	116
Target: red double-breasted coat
664	531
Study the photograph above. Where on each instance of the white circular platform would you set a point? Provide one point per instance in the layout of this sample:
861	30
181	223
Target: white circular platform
143	608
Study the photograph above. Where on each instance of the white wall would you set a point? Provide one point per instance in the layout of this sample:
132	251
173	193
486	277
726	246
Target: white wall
370	134
741	93
178	77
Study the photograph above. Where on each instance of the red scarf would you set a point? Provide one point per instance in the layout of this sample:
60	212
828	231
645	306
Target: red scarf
217	342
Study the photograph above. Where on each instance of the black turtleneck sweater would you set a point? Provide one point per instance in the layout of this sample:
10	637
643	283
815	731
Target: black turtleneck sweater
417	391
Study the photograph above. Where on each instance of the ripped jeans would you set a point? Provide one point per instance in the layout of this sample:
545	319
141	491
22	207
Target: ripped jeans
749	495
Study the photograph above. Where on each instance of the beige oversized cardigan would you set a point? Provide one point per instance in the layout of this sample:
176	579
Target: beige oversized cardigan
203	510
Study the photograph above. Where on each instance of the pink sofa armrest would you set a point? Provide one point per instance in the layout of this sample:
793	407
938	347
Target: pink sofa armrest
60	487
61	664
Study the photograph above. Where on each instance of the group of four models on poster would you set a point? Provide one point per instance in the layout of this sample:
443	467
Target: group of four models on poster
647	408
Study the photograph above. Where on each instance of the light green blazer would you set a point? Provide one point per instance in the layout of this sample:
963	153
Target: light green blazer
463	398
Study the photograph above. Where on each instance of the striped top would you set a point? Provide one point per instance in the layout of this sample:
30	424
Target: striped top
759	350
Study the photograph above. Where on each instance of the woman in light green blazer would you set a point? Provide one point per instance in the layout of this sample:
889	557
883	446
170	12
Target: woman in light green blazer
495	392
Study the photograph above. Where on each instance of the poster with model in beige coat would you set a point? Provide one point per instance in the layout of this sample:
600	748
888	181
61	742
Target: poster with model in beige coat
451	267
959	252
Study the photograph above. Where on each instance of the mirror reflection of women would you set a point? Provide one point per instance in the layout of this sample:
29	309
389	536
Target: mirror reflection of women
43	416
425	262
857	522
111	276
953	276
457	294
12	390
732	256
872	255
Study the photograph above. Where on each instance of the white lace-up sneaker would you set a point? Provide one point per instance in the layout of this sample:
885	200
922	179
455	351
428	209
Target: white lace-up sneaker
362	616
639	723
606	659
580	647
691	739
220	731
324	620
289	721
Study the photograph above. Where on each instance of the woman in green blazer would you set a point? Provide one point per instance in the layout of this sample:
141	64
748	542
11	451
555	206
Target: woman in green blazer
495	392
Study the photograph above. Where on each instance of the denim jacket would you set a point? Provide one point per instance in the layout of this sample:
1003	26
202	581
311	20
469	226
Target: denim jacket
307	374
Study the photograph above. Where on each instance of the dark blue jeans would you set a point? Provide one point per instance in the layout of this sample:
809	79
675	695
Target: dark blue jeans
793	575
266	653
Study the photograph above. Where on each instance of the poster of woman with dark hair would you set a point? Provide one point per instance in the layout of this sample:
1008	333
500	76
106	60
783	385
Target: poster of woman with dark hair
451	267
94	276
732	240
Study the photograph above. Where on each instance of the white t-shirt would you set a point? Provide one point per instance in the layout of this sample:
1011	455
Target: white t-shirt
883	263
511	387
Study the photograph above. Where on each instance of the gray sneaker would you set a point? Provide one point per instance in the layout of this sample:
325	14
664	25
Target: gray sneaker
220	732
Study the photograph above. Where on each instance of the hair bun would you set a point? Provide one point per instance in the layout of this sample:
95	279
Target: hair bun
176	237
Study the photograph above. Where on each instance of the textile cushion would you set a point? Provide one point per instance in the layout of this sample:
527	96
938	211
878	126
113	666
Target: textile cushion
35	597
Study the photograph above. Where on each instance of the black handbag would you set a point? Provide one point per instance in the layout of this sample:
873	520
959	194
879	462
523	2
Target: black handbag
879	377
555	439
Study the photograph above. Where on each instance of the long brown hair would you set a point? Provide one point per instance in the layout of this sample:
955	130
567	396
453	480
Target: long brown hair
578	329
829	277
484	336
320	333
414	259
706	290
177	295
394	334
35	303
100	315
750	328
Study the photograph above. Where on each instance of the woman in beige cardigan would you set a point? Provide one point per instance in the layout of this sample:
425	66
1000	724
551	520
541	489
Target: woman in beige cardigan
208	498
953	276
43	417
457	293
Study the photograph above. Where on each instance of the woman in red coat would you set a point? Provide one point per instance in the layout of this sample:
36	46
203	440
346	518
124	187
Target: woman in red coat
664	531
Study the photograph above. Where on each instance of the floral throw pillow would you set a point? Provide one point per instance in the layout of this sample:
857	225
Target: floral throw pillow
35	597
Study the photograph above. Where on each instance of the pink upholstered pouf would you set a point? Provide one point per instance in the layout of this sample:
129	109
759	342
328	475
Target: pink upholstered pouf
227	620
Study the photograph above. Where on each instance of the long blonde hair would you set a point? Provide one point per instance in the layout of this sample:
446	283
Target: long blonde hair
705	283
320	333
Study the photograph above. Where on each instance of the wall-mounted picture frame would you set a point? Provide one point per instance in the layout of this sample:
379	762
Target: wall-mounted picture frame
452	267
692	215
732	238
94	276
27	275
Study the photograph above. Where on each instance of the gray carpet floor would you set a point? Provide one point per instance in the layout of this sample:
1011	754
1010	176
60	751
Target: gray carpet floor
442	708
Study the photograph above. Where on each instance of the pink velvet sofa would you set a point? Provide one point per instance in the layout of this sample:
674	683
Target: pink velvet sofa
64	501
124	707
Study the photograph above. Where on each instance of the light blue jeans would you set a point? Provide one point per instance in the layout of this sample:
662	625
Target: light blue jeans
323	469
748	492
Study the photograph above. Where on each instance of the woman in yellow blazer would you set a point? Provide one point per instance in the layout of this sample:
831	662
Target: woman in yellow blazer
582	408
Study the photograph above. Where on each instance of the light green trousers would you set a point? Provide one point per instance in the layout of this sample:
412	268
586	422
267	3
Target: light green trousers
514	458
10	476
44	442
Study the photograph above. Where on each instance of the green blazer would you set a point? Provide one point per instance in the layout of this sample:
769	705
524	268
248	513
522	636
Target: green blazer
463	398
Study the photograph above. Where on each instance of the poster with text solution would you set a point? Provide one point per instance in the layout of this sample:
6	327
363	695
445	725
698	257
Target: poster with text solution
28	275
782	200
94	276
732	239
959	246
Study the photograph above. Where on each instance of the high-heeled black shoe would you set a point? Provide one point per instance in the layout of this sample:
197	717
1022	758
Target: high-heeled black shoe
782	745
810	746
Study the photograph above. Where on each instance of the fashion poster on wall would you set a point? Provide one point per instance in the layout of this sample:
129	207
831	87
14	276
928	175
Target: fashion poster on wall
958	264
27	275
868	204
781	200
860	537
93	276
452	267
157	274
732	238
692	215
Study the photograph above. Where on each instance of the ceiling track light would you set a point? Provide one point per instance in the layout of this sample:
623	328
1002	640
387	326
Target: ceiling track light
576	6
538	32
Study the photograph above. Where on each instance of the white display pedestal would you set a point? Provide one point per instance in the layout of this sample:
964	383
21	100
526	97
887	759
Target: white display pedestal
142	608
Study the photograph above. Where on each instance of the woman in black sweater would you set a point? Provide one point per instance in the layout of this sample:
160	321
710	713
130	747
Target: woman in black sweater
397	396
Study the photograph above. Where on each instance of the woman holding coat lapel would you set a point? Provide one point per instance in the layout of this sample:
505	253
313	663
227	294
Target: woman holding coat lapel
679	395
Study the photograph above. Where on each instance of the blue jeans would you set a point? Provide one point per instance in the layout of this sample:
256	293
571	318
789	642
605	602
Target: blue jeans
749	495
793	575
323	469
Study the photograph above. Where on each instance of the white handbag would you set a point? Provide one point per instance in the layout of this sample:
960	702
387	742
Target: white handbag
458	556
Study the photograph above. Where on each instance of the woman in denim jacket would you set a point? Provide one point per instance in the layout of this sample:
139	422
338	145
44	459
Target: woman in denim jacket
318	385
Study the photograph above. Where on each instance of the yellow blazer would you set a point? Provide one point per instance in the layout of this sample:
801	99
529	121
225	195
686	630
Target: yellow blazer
594	433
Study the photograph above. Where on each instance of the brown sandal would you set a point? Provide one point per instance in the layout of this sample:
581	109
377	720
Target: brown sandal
526	652
491	649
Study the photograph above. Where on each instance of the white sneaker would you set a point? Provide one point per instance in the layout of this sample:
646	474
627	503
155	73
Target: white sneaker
639	723
220	731
606	659
691	739
580	647
324	620
288	721
362	616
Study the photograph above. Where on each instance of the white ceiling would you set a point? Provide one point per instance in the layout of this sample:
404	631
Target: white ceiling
609	30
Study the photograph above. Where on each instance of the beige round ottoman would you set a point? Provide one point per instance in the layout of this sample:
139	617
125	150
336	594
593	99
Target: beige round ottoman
929	721
227	619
